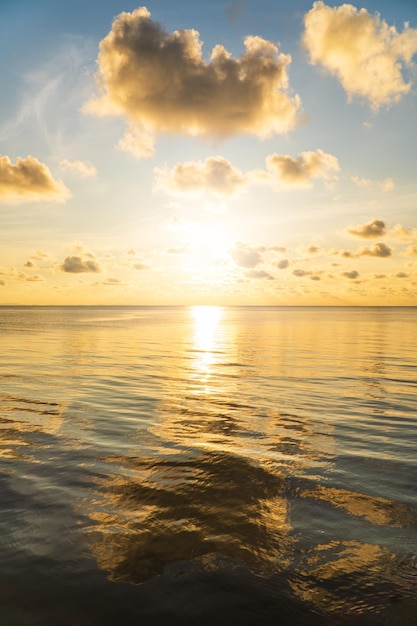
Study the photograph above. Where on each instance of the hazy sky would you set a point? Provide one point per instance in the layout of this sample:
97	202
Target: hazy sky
222	152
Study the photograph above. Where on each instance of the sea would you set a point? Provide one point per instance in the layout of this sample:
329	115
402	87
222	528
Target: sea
208	466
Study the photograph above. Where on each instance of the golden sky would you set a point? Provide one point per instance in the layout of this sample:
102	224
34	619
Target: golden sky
231	152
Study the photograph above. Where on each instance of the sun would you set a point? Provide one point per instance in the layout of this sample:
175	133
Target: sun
209	248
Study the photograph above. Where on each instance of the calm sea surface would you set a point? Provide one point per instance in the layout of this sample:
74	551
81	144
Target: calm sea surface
205	465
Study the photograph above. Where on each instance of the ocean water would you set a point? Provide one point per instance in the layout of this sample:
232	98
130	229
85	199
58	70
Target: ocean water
208	465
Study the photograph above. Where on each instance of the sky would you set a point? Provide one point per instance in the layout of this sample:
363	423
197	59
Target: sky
229	152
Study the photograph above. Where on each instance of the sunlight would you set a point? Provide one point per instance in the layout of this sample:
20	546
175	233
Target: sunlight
206	322
209	247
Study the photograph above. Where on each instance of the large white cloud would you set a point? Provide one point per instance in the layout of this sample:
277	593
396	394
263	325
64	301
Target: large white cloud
160	82
361	50
28	180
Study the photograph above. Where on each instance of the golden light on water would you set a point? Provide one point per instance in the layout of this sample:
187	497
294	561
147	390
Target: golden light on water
206	320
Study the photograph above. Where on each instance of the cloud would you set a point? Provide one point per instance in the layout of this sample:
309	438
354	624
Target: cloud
179	250
76	265
214	175
140	265
385	185
30	264
3	283
352	275
78	168
377	249
370	230
378	228
283	264
15	273
259	274
300	170
137	141
402	233
246	255
361	50
160	82
28	179
40	256
411	250
300	273
361	182
112	282
217	176
313	249
33	279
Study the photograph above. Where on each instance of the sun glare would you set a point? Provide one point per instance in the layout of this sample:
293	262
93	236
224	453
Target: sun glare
208	249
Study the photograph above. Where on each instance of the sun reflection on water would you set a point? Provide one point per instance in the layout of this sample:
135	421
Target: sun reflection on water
206	320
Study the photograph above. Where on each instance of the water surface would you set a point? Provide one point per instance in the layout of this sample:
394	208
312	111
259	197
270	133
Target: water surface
199	465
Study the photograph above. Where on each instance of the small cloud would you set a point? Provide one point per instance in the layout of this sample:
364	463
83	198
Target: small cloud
387	184
313	249
178	250
34	279
300	273
215	176
246	255
3	283
29	180
283	264
361	50
40	256
402	233
76	265
377	249
160	82
112	282
78	168
137	141
259	274
401	275
361	182
352	275
370	230
140	265
301	170
30	264
411	250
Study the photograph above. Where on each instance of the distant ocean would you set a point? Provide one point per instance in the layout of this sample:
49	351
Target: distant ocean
208	466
